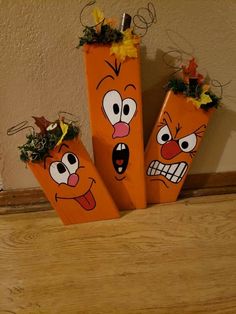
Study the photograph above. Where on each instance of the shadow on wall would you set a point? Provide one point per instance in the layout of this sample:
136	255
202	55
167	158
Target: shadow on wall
216	139
155	75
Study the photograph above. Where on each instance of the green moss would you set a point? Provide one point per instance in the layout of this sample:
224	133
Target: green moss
179	86
107	35
38	145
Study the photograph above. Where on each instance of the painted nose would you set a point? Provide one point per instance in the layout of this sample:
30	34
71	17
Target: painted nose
73	179
121	129
170	149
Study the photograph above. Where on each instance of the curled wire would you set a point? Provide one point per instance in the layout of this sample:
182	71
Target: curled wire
145	18
217	84
19	127
90	3
40	145
178	58
180	43
67	117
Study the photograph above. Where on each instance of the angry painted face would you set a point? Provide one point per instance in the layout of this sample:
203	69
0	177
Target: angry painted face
176	150
172	146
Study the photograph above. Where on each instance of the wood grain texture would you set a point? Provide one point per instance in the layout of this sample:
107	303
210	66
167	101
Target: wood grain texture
174	258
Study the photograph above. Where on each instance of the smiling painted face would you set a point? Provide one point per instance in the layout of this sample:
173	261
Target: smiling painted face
172	146
116	121
68	174
72	184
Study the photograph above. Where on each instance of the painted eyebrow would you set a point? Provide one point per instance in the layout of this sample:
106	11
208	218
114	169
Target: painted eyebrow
44	160
168	116
107	76
62	146
130	85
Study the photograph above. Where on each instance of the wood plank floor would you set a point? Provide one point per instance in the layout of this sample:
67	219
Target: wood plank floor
173	258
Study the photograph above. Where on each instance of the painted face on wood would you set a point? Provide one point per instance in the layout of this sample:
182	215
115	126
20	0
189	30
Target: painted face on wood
71	182
176	146
73	185
172	146
115	104
119	108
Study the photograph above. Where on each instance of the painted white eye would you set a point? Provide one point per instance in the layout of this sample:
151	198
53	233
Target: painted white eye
112	105
164	135
71	161
52	126
188	143
59	172
128	110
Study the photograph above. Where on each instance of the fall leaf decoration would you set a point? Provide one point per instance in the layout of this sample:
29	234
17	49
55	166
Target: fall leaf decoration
191	72
51	134
192	84
42	123
123	44
127	47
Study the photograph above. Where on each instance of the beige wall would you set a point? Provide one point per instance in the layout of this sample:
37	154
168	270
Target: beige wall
41	72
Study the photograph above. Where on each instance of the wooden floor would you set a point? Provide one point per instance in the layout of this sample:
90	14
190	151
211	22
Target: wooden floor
175	258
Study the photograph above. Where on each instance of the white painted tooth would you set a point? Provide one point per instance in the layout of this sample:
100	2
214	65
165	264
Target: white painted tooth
156	164
160	166
179	179
168	176
149	171
173	168
122	146
166	168
184	170
151	164
180	169
153	172
174	179
157	172
119	147
119	169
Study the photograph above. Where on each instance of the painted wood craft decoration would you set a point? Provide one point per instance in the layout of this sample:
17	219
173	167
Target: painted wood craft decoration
177	134
62	166
115	104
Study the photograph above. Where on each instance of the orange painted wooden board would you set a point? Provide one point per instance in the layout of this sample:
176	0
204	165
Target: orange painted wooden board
172	145
115	103
73	185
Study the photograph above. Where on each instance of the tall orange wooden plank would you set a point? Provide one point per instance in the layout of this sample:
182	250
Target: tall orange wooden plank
172	146
115	104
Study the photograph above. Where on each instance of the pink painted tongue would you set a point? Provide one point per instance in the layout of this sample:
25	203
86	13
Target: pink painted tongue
87	201
121	129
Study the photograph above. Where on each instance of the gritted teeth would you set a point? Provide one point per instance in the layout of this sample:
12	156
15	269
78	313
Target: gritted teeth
173	172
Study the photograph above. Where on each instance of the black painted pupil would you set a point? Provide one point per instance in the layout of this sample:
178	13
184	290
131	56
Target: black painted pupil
165	137
126	109
184	145
116	108
71	158
61	168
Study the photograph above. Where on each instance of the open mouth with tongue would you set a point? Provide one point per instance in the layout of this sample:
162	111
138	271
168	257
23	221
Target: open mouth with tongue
120	157
86	201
